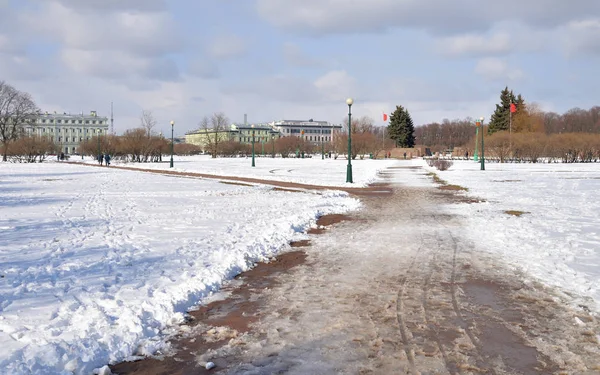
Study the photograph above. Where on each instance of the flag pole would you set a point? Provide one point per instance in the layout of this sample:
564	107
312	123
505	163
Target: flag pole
510	111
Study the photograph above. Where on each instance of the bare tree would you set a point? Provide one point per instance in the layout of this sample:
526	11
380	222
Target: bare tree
219	123
147	121
16	109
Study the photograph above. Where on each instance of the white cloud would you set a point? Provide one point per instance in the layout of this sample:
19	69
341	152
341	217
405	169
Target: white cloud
582	37
295	56
227	46
474	44
437	16
336	85
495	69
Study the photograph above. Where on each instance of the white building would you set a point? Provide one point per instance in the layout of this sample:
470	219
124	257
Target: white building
67	130
312	131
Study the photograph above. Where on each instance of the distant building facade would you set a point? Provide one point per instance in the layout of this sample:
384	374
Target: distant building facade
312	131
67	130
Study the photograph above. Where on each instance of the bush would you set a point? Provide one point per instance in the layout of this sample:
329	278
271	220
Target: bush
440	164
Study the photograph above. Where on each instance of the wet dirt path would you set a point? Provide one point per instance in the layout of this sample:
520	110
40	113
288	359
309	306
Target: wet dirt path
394	289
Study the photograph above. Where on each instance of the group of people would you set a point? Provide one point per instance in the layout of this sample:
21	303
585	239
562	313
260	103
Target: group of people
104	158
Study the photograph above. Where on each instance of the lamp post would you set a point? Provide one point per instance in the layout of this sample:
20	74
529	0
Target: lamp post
482	152
476	154
253	145
273	146
172	142
479	124
349	101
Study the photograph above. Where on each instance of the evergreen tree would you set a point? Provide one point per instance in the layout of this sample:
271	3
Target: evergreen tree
501	117
401	128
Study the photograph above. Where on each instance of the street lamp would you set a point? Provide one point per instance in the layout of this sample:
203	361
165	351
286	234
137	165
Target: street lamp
172	142
253	145
482	158
349	101
273	145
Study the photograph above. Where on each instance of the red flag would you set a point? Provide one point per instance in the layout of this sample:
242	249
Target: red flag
385	117
513	108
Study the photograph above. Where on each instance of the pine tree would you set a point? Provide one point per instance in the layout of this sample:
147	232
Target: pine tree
501	117
401	128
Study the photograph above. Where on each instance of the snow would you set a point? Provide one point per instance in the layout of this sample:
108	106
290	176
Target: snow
96	265
100	265
556	240
309	171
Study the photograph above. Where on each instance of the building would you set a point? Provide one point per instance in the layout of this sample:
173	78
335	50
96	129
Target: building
66	130
311	131
241	133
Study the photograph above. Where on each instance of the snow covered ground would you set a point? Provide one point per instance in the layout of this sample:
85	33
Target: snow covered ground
310	171
97	264
557	239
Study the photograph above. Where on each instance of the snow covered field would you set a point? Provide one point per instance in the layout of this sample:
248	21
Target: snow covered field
557	239
310	171
97	264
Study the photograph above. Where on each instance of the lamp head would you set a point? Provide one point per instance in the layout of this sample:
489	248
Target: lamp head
172	122
481	119
252	126
349	101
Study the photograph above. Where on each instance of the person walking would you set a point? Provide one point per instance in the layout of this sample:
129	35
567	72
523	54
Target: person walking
100	158
107	159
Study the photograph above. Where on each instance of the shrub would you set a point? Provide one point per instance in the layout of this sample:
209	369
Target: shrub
441	164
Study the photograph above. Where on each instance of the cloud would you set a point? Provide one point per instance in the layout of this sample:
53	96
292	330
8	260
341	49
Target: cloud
295	56
581	37
474	44
203	67
227	46
495	69
435	16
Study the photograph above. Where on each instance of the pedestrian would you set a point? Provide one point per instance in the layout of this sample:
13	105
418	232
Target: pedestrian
107	159
405	155
467	155
100	158
62	156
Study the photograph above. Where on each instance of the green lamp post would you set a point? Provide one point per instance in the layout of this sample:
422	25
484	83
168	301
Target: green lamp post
482	158
273	146
172	142
253	145
349	101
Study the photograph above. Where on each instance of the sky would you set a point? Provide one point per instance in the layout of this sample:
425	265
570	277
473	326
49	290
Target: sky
279	59
110	272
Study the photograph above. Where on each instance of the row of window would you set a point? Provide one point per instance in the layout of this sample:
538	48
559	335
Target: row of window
50	121
73	131
309	138
308	131
69	139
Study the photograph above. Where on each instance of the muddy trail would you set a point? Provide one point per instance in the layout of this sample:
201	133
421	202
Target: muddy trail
392	289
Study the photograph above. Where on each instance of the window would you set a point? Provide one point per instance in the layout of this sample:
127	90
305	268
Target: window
80	139
60	139
81	121
94	122
79	131
58	121
100	122
43	121
87	121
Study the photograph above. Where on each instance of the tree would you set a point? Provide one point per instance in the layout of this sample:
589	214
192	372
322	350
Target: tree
401	128
16	109
215	129
501	117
